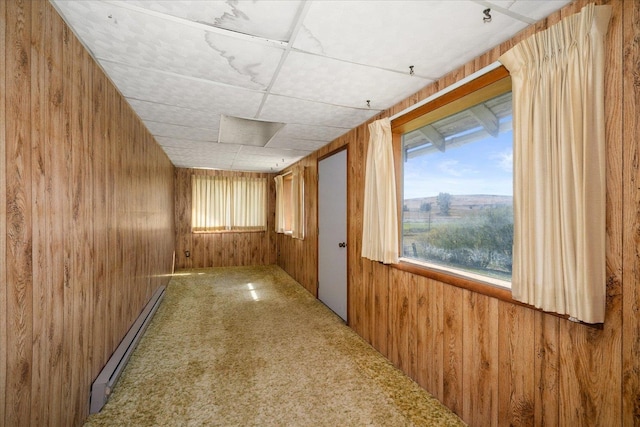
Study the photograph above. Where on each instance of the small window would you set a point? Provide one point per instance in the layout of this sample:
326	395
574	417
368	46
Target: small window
289	218
222	203
457	186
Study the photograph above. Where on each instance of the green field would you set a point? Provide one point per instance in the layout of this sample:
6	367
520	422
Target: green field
475	233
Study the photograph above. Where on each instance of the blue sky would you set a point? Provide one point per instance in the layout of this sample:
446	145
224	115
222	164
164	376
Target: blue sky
481	167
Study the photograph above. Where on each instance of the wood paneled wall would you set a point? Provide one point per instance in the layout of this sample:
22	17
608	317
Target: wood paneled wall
86	218
221	249
491	361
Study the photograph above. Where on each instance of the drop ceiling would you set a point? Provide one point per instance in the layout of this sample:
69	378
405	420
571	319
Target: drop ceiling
320	68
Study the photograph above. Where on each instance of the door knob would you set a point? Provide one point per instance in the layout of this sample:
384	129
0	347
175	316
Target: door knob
342	245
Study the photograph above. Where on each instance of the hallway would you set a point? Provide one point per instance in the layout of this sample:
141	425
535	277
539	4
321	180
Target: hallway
249	346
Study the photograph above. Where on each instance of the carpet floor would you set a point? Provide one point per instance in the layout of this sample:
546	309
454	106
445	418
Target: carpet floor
248	346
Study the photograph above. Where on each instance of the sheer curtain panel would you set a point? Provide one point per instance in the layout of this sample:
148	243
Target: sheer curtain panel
280	204
209	203
248	201
380	222
297	204
559	166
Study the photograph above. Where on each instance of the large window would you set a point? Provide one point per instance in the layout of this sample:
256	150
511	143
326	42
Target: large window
221	203
457	186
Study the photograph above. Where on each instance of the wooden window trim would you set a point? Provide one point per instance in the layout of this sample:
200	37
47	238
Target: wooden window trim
419	117
227	231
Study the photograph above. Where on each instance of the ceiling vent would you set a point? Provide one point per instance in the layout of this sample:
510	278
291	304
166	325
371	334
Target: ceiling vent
234	130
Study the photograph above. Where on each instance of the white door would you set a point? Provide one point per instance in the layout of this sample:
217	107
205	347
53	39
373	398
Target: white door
332	237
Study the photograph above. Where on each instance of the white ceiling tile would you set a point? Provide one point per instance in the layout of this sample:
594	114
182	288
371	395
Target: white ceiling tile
296	144
299	111
331	81
162	88
199	146
268	19
159	129
311	132
272	152
170	114
124	35
434	37
536	10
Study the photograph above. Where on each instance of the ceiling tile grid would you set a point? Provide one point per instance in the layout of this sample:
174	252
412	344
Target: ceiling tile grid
310	132
311	65
301	111
173	115
180	91
265	18
433	36
166	130
120	34
343	83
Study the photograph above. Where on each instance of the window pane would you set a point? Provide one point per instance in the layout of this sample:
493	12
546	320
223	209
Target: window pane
458	190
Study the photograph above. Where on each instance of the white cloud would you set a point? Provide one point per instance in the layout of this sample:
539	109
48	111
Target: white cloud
505	160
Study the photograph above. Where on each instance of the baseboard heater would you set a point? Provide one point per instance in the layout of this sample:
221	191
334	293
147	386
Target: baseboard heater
102	386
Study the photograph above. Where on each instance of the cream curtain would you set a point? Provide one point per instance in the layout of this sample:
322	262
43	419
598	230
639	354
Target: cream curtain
248	201
222	203
290	203
380	222
209	203
559	166
280	204
297	204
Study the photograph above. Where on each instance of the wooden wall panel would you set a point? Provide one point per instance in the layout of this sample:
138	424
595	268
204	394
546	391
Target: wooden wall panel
516	353
480	358
220	249
3	218
100	351
56	177
39	230
546	369
379	288
630	209
86	218
495	362
430	337
19	212
402	320
68	344
82	224
453	393
370	279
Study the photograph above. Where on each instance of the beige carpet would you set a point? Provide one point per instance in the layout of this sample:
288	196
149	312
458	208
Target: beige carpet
248	346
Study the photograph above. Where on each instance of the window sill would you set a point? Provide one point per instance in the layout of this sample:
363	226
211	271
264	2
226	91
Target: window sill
477	283
489	281
227	231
